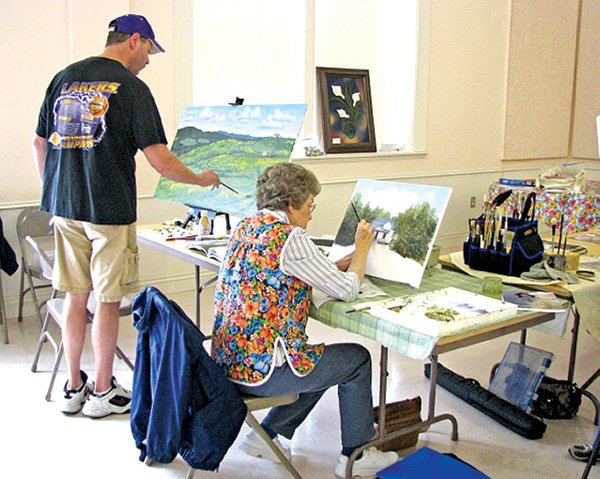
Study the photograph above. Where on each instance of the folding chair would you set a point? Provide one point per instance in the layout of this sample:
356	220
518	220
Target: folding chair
54	309
255	403
35	223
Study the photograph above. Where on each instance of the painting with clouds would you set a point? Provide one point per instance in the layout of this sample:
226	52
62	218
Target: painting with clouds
405	218
238	143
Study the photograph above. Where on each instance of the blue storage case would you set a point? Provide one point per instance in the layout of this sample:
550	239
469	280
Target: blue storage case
526	249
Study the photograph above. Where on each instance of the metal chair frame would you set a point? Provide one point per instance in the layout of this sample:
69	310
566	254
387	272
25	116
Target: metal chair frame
256	403
35	223
3	318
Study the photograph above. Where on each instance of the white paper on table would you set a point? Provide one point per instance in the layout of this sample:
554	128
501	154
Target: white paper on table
469	311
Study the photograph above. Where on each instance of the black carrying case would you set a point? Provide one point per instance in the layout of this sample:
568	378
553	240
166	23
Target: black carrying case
488	403
527	249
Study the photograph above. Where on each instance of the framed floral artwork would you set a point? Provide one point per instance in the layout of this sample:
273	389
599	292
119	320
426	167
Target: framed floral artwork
346	110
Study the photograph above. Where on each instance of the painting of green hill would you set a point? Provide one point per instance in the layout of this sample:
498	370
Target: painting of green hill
238	143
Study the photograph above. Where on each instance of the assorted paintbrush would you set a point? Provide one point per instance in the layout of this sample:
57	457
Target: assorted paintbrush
561	245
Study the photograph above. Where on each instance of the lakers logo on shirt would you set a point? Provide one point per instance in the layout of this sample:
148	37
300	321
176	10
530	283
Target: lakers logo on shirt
98	105
55	139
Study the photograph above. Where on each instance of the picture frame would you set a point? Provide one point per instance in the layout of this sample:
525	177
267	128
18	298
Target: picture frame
346	110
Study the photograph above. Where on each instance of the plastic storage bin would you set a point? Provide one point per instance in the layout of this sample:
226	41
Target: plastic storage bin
519	374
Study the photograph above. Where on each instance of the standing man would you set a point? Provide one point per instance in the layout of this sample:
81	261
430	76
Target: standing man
95	116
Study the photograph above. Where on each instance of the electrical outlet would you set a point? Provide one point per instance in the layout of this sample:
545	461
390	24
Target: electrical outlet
472	202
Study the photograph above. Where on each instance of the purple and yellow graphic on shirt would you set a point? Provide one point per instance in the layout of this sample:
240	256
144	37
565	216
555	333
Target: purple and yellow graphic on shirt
79	114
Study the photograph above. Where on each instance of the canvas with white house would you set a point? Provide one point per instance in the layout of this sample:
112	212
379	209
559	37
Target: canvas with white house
405	218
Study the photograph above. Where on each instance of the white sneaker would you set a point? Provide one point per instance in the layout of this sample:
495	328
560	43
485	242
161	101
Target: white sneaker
255	446
74	399
116	401
371	462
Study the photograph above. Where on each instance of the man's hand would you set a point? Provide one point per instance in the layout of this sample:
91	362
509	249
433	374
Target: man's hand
169	166
209	178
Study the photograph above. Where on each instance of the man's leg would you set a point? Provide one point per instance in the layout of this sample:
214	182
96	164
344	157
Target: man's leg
108	396
71	274
105	329
73	333
114	270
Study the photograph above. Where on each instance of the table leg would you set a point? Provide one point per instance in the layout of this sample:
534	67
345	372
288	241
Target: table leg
431	417
421	426
523	336
383	374
381	437
198	288
573	354
432	386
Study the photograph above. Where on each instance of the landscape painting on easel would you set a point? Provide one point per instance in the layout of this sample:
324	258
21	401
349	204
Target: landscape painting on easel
405	218
238	143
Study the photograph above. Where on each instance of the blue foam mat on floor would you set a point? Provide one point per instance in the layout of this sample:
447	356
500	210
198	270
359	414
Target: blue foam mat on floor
429	464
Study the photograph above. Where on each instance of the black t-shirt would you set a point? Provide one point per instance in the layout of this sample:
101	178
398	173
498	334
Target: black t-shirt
95	116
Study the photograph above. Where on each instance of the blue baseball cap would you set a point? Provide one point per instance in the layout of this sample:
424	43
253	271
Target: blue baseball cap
136	24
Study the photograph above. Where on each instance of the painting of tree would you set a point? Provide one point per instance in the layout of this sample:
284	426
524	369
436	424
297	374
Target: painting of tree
414	230
405	218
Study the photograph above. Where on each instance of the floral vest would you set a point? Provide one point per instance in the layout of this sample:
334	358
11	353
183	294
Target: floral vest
257	305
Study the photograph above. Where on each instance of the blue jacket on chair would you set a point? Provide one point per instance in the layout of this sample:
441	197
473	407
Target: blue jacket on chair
182	401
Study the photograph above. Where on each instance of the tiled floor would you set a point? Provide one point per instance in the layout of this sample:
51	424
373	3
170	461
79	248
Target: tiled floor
38	441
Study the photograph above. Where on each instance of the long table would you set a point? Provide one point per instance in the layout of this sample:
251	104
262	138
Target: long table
390	336
415	344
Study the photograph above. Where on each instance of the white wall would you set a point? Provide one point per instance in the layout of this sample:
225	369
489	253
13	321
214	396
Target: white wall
467	92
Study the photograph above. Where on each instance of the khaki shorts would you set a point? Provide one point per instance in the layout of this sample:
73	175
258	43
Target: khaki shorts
102	258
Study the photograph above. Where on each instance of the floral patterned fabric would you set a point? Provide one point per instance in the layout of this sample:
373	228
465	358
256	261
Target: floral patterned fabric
257	305
581	211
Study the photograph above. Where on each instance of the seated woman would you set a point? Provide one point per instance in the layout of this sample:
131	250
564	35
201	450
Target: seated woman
262	302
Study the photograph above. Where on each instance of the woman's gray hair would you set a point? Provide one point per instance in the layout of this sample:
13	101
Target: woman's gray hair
285	184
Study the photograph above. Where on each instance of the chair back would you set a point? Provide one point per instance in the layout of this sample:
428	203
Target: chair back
37	224
44	260
33	222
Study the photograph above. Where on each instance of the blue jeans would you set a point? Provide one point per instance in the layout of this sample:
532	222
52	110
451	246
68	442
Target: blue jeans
347	366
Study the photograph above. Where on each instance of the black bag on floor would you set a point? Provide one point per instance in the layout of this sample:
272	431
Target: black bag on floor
488	403
556	399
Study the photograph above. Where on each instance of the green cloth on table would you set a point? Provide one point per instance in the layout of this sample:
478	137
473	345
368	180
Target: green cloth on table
397	338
